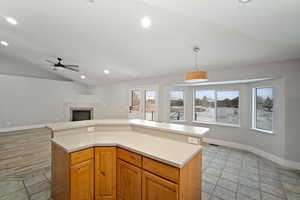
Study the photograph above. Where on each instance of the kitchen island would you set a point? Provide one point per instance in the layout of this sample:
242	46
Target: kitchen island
126	160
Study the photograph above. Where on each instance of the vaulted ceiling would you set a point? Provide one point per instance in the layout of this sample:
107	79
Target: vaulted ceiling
106	34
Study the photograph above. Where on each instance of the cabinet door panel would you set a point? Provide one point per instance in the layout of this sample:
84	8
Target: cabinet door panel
129	179
82	181
156	188
105	173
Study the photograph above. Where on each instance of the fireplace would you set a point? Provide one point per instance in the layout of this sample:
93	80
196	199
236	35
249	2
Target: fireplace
82	113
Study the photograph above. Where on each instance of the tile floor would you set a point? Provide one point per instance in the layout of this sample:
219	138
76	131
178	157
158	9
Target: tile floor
228	174
35	186
231	174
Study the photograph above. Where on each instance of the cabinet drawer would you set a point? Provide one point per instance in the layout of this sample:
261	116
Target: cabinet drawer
130	157
160	169
79	156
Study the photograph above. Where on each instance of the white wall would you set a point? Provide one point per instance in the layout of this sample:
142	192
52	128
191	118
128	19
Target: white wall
114	103
32	101
114	99
292	98
273	144
16	67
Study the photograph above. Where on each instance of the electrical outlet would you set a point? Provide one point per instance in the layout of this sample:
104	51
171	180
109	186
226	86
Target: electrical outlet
193	140
91	129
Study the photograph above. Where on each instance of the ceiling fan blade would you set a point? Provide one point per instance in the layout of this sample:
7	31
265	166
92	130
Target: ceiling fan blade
49	61
70	68
71	65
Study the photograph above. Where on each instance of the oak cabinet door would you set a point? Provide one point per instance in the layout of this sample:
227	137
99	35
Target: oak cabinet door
105	173
82	181
129	179
156	188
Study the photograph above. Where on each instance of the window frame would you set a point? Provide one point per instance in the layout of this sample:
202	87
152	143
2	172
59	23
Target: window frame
145	104
131	99
215	101
184	104
254	113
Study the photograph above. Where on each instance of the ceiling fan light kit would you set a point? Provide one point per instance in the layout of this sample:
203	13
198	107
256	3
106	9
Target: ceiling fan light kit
196	76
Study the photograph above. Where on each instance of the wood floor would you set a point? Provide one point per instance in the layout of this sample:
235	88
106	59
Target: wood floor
24	152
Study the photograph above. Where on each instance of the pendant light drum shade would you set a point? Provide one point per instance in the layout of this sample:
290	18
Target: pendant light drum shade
198	76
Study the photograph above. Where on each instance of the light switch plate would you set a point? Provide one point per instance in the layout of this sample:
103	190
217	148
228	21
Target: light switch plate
193	140
91	129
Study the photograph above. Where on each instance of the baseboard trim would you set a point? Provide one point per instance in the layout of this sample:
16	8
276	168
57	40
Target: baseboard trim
285	163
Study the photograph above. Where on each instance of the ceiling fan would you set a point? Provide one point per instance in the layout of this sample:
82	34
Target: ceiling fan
59	64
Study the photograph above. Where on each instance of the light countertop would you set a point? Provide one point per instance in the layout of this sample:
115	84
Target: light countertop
165	150
169	127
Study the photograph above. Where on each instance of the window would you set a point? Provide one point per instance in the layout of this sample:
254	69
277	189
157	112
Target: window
204	106
176	106
228	107
263	109
135	100
149	105
219	107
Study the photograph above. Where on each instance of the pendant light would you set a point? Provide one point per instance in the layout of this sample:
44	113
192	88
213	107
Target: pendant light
196	76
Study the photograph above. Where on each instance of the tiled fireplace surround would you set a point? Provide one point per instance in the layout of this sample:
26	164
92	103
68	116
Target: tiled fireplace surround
69	107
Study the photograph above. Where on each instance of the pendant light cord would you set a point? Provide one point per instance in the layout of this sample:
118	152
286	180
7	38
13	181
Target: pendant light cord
196	49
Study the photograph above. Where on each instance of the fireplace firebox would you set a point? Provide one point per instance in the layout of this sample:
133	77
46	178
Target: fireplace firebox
81	114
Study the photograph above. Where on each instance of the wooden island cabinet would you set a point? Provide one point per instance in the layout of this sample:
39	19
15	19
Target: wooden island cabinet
82	180
113	173
105	173
129	181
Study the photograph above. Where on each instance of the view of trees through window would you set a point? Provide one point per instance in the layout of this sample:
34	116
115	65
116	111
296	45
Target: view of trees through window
228	107
149	105
176	105
205	107
264	108
212	106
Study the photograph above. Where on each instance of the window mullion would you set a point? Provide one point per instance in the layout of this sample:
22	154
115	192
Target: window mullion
215	106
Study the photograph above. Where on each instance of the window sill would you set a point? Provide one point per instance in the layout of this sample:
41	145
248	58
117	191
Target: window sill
263	131
218	124
176	121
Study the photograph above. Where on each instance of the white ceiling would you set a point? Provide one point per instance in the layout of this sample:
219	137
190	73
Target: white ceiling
107	34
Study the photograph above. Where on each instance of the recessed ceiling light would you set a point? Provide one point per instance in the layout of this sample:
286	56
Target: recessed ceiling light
82	76
146	22
106	71
11	20
4	43
244	1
